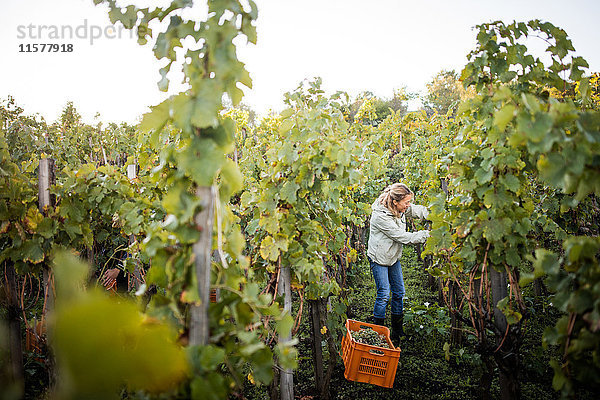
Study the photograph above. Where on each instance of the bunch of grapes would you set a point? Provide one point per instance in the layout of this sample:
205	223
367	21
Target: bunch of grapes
370	337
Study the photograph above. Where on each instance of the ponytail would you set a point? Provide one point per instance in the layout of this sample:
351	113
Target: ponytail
395	191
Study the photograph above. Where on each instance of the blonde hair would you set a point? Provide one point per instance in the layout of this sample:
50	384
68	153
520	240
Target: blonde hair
397	192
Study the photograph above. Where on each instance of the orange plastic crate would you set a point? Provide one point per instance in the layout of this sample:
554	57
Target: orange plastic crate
366	363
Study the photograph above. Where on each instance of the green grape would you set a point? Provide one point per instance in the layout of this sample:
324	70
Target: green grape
370	337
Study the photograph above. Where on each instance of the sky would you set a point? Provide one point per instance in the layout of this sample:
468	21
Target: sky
354	46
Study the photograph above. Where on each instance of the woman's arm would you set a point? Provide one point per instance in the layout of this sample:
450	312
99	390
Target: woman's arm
389	227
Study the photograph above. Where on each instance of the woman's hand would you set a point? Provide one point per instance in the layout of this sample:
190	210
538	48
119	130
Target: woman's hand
423	235
109	278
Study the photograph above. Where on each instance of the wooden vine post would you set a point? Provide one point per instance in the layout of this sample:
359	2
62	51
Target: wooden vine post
137	273
498	286
46	179
317	338
286	381
507	358
45	199
401	147
318	316
202	249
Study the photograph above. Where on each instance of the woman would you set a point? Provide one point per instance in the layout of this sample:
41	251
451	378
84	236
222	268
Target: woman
387	235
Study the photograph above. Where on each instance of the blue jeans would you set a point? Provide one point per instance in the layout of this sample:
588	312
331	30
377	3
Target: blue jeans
388	280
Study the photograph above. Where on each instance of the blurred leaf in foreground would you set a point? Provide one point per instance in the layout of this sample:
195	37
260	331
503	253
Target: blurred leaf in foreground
103	344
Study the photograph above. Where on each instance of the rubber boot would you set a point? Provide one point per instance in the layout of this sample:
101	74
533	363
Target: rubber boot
397	329
379	321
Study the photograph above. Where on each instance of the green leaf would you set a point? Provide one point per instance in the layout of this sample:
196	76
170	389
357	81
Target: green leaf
129	17
584	89
576	70
512	257
270	223
552	168
483	175
511	182
32	252
209	387
287	153
282	242
231	179
156	119
546	261
512	316
286	126
173	199
73	229
285	325
531	102
288	112
287	354
223	134
579	249
503	116
206	105
560	380
201	160
248	349
288	192
133	349
163	84
526	278
535	130
156	274
508	76
182	113
268	249
262	368
209	357
493	231
446	349
581	301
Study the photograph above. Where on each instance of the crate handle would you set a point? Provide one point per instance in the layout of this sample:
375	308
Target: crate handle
364	327
376	352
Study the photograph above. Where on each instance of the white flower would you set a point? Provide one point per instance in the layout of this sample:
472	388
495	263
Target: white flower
427	304
420	326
